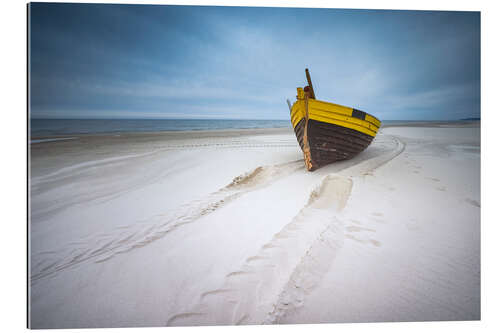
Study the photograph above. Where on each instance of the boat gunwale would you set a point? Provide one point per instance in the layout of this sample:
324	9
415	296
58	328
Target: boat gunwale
339	122
345	118
343	106
297	114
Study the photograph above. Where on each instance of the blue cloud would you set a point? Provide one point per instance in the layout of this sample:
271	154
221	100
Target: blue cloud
95	60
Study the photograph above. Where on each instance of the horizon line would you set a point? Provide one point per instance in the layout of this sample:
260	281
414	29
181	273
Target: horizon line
249	119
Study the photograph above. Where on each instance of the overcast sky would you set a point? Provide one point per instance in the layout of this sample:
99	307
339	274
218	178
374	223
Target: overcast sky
131	61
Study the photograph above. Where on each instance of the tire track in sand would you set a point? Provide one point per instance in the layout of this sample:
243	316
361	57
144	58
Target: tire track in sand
103	247
277	279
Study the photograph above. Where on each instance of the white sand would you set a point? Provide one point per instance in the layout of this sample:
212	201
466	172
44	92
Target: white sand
231	229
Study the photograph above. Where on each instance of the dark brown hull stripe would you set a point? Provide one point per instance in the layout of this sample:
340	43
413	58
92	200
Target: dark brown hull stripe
299	132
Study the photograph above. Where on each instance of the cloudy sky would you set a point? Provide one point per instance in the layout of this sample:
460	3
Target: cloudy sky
136	61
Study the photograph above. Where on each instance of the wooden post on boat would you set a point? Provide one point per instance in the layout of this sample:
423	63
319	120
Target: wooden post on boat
310	84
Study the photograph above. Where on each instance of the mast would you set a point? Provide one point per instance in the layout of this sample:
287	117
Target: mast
310	83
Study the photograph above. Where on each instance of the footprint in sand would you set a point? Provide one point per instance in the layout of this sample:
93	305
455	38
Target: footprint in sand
412	224
473	202
377	214
353	228
365	241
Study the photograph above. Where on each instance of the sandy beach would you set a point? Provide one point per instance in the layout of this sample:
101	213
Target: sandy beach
227	227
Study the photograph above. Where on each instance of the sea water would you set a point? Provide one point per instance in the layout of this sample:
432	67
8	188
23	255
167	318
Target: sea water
54	127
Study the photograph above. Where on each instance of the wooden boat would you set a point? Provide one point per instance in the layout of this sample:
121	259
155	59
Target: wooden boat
329	132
